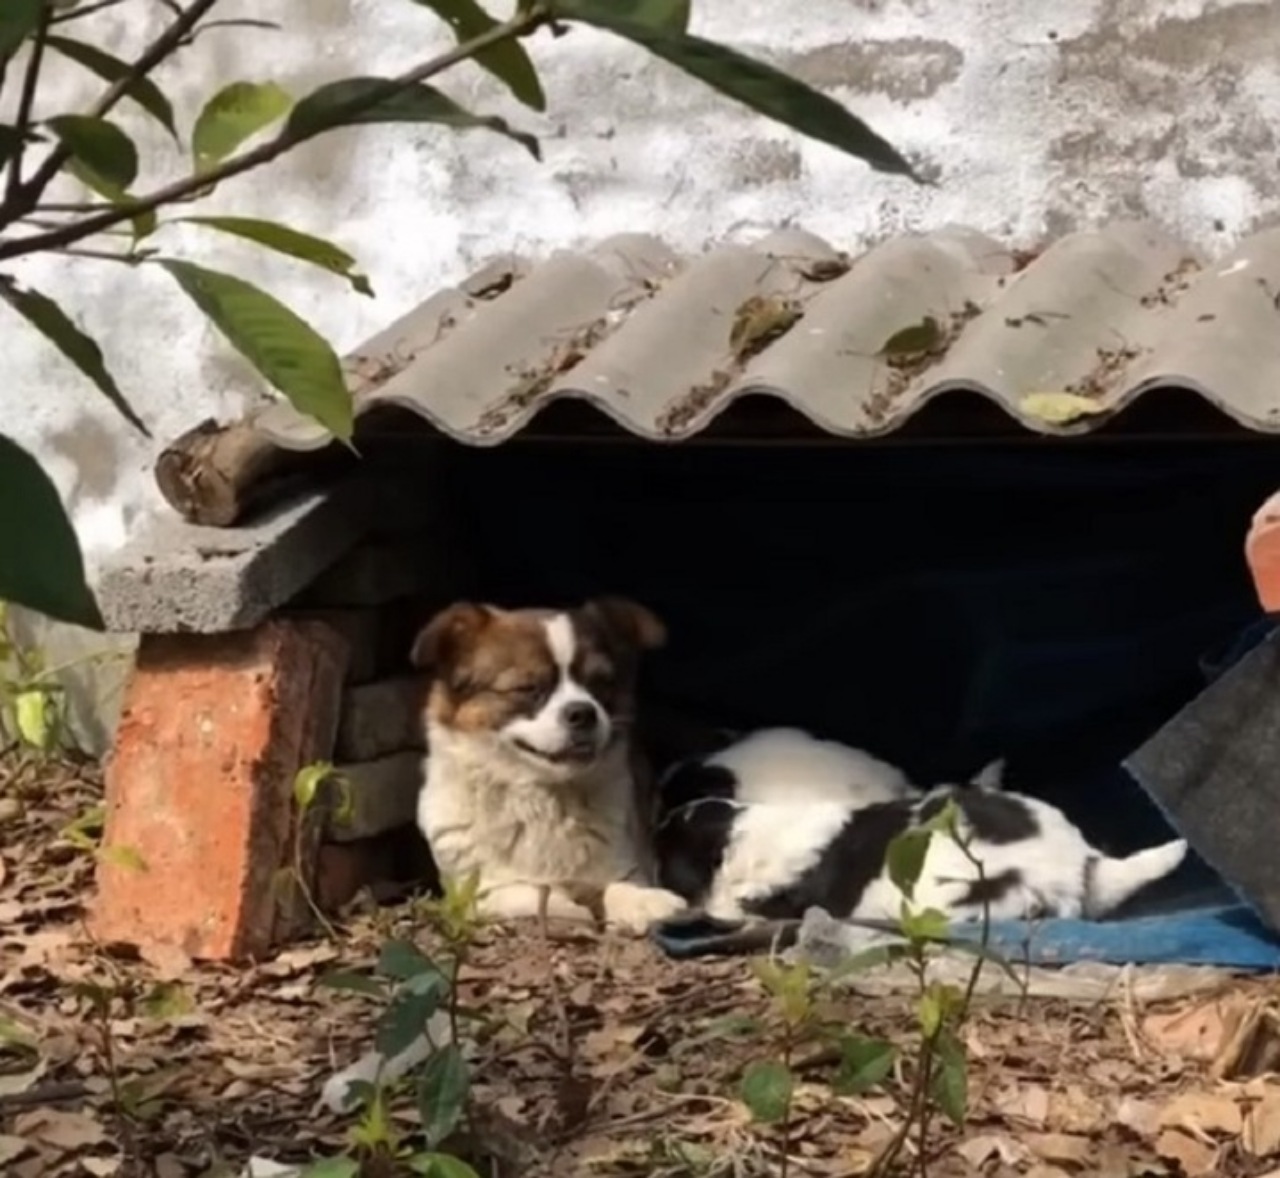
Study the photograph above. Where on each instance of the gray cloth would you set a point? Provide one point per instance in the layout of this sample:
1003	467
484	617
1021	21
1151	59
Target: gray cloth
1214	769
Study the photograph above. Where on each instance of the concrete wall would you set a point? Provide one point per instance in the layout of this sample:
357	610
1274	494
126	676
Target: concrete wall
1035	118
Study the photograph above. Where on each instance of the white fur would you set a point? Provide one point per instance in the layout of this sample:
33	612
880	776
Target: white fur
774	844
524	822
546	731
790	765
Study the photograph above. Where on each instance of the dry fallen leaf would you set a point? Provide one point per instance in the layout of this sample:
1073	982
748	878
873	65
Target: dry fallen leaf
1261	1133
1061	1149
1215	1113
1027	1103
1196	1032
977	1151
66	1131
1193	1156
1140	1117
12	1148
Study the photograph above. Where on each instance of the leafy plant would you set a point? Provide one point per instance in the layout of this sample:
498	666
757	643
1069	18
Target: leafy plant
413	989
246	124
938	1067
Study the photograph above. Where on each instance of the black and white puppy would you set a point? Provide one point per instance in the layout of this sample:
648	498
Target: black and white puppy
762	842
785	764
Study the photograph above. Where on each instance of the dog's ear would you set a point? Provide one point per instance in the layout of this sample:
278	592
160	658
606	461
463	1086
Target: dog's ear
439	642
635	623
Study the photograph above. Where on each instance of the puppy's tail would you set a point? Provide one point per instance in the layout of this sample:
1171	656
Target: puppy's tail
1110	882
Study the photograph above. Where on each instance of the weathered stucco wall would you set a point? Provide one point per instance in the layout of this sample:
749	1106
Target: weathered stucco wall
1034	118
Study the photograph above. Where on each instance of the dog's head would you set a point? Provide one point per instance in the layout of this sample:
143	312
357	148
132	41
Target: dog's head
556	690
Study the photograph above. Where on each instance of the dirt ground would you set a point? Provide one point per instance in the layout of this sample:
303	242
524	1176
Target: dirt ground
603	1058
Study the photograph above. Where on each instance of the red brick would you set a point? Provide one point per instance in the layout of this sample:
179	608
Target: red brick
200	816
1262	550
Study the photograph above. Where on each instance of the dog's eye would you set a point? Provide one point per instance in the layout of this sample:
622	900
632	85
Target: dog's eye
521	690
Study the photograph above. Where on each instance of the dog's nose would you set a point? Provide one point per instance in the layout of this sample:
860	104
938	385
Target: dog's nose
580	717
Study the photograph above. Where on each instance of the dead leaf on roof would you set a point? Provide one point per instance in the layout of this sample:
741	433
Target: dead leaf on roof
915	339
1060	408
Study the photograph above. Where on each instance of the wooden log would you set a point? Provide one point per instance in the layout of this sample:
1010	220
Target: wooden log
217	475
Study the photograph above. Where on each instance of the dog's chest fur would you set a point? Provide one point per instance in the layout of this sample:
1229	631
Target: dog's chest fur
482	811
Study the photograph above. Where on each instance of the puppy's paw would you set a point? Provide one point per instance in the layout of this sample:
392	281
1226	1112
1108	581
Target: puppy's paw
635	908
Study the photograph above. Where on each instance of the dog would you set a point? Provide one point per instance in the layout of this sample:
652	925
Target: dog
784	765
771	854
532	779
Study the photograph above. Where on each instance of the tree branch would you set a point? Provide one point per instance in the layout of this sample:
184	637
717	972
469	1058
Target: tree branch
518	25
26	100
29	194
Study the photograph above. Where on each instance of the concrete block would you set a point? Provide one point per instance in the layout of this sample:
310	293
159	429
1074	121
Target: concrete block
383	794
176	577
200	820
383	717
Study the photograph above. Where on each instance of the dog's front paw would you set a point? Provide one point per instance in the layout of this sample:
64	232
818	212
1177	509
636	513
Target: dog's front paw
634	908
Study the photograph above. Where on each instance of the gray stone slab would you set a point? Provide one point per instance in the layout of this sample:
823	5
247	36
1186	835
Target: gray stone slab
177	577
383	795
382	718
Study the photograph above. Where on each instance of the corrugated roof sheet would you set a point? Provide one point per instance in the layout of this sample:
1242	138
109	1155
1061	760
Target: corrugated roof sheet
663	343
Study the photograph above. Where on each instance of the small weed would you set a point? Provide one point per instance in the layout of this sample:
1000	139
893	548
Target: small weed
937	1068
414	988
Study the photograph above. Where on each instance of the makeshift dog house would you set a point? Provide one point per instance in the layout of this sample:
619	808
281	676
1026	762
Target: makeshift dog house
938	498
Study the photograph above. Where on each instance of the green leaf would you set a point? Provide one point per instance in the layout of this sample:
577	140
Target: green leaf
55	325
143	90
403	960
406	1016
338	1167
379	100
671	15
168	1000
232	115
919	337
288	241
766	1090
440	1165
929	924
99	148
18	20
128	858
864	1063
353	983
507	61
42	568
905	859
307	782
774	94
930	1014
283	347
442	1093
950	1080
35	715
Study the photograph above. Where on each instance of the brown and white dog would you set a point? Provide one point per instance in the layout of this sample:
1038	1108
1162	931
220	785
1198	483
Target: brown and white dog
532	777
